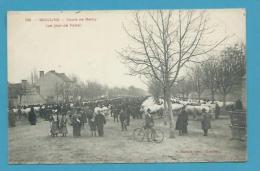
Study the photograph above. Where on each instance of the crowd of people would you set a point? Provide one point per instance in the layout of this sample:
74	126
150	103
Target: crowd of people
93	113
205	118
79	114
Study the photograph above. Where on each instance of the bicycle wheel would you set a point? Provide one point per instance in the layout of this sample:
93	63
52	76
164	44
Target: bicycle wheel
139	134
157	136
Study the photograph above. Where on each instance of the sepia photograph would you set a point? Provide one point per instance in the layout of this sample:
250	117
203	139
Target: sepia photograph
127	86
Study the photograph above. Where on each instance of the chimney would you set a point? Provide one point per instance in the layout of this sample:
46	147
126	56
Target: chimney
24	83
41	74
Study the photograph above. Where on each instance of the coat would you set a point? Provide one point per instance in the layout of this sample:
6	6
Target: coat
122	116
91	121
63	125
84	117
149	120
76	125
182	120
32	117
205	122
100	120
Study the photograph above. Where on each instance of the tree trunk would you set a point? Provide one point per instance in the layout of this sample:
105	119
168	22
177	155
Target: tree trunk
165	116
212	96
224	101
170	114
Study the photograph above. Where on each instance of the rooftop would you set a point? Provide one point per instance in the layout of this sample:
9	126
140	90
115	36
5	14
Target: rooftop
63	76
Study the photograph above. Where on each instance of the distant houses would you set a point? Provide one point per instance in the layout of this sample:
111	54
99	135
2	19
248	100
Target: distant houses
55	87
24	94
52	87
14	93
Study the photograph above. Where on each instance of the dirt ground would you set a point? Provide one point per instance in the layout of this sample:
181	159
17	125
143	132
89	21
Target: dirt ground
33	144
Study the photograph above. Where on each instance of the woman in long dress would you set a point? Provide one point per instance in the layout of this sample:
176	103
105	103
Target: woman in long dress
63	125
76	124
54	125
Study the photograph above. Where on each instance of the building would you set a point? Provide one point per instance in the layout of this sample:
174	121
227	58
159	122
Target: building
54	87
14	93
23	94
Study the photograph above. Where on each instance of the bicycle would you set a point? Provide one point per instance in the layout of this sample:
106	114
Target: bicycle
154	134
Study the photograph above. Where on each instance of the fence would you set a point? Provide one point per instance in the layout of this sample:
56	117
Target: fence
238	125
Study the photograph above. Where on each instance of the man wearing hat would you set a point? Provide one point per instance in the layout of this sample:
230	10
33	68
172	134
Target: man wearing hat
205	122
100	121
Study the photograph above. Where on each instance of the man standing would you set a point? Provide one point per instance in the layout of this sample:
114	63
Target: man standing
217	111
123	119
205	123
91	121
100	121
182	122
32	117
19	113
239	105
185	120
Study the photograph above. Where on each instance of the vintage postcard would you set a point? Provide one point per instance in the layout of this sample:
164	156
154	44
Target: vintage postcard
127	86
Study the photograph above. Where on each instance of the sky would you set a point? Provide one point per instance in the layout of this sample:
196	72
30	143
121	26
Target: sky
85	43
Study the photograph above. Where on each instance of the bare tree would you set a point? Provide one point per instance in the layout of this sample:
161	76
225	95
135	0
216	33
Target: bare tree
164	42
196	76
94	89
154	88
230	70
134	91
184	87
34	77
209	69
239	57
